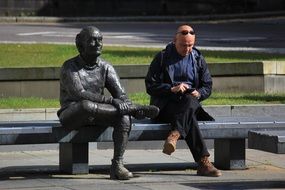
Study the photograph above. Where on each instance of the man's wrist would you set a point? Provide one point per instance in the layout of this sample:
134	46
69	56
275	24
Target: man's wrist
198	96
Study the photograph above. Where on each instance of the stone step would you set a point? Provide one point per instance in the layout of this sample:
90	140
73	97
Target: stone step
270	141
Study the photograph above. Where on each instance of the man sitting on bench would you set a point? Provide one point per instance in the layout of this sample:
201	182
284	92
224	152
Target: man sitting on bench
82	82
178	78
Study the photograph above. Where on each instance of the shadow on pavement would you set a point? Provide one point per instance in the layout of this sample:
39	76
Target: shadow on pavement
238	185
44	171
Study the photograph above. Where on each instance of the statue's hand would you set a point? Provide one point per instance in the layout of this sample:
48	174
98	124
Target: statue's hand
128	101
121	105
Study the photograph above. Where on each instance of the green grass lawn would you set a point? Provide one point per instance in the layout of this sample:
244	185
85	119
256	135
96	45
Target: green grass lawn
143	98
51	55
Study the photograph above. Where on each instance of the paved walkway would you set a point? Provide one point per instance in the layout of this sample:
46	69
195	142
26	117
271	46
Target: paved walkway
38	170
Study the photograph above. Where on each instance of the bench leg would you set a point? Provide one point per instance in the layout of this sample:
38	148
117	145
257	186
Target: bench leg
73	158
230	153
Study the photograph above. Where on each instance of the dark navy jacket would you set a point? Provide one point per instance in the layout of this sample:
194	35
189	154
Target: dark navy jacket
159	79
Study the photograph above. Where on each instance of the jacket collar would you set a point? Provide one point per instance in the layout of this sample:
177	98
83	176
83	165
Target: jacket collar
84	65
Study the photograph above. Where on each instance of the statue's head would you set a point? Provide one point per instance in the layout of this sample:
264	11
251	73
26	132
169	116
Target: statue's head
89	42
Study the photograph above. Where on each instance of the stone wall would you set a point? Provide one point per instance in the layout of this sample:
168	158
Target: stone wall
230	77
268	110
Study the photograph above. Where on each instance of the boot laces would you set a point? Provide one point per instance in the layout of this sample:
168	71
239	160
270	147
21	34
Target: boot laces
205	162
174	134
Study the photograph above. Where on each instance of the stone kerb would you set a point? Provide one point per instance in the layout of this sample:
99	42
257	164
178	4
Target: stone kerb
267	76
22	114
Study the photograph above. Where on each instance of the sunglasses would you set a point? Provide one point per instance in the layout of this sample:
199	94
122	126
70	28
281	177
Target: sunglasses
185	32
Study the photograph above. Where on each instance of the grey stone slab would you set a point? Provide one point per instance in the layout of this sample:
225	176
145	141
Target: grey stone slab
271	141
10	88
22	182
262	167
44	82
238	84
51	113
273	110
29	147
280	67
219	110
28	158
274	84
120	186
256	158
44	89
133	85
90	181
50	73
6	114
22	114
176	186
252	68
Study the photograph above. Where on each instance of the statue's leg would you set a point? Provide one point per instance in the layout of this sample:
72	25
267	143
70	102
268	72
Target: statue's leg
85	113
88	113
120	138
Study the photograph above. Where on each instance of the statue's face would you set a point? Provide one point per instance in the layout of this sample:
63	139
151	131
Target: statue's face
93	44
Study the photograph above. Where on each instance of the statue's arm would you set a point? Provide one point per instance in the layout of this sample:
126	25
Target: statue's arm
113	84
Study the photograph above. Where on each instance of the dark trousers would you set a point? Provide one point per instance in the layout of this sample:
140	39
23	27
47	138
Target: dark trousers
181	113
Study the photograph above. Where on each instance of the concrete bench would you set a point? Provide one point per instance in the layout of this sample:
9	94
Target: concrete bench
270	141
229	134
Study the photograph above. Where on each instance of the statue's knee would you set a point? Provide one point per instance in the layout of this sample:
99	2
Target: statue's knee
88	106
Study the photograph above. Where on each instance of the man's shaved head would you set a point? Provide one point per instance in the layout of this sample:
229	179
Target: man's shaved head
184	39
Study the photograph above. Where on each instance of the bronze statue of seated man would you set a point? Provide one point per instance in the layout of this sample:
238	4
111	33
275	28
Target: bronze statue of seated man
82	82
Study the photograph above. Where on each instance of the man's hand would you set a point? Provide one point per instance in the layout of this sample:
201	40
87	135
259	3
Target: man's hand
181	88
122	106
196	94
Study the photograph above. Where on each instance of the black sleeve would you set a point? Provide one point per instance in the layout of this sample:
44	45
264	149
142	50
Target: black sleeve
205	79
154	81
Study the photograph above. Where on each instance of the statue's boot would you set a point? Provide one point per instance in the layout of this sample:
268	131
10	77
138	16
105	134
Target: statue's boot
142	111
118	171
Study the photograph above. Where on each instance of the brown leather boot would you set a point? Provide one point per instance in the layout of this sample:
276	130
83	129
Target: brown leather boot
170	142
206	168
